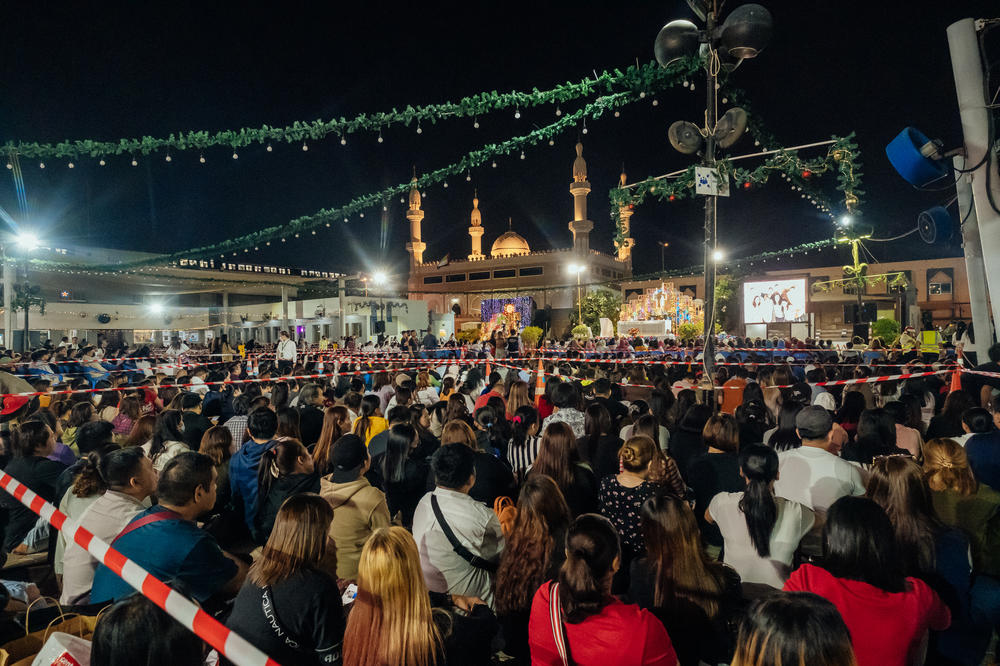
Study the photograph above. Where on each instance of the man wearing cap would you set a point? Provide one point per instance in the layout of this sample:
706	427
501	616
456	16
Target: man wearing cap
810	474
459	539
358	507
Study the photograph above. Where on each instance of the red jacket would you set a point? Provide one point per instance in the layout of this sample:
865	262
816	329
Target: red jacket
599	639
886	627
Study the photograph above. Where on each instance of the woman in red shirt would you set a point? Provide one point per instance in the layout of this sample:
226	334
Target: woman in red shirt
589	625
887	614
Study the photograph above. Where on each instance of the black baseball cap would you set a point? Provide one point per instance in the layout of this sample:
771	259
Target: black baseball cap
348	456
813	422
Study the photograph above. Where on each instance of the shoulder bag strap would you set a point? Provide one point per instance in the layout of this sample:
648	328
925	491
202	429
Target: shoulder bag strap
146	520
558	626
460	549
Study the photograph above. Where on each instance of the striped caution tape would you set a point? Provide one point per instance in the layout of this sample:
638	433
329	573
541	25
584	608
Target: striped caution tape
228	643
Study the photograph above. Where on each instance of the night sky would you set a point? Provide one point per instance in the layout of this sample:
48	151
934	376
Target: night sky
76	72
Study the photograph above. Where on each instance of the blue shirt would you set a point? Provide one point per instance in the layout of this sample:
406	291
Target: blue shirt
243	478
984	457
173	551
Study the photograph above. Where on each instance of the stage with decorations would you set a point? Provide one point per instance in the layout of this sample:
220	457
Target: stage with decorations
658	312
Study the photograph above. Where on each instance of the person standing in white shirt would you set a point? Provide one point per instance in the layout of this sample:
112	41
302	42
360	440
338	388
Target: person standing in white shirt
285	354
459	539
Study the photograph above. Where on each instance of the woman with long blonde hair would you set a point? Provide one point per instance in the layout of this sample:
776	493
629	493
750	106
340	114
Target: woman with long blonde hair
292	588
518	396
393	621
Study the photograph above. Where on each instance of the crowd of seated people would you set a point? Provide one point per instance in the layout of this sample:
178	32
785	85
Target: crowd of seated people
400	512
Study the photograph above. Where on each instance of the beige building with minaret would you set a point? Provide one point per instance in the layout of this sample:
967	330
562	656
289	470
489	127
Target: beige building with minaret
512	268
415	215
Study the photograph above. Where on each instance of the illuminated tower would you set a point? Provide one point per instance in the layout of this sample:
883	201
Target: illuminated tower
415	247
476	230
580	188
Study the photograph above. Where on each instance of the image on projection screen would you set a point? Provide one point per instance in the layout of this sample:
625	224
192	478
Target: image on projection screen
774	301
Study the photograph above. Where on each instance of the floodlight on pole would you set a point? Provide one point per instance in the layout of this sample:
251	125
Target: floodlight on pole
379	278
718	255
26	240
156	308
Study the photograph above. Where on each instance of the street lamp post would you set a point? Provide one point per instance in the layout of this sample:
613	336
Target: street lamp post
743	34
578	269
379	279
26	242
663	263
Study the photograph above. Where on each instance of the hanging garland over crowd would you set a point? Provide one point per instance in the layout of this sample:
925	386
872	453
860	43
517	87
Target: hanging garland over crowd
635	80
840	158
327	216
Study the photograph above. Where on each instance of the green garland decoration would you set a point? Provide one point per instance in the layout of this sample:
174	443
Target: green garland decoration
849	169
636	80
327	216
841	157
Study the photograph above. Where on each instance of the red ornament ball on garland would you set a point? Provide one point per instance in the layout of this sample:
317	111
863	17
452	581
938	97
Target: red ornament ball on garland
746	185
807	173
672	197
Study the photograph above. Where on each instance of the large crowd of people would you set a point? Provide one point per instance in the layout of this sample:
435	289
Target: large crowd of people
386	506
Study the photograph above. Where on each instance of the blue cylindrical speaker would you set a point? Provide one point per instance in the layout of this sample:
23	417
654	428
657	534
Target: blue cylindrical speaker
904	154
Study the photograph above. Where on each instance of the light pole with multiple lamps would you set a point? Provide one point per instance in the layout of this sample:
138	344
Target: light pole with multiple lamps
578	269
723	47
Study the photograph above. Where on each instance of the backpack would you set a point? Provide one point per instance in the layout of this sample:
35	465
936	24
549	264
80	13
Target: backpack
506	514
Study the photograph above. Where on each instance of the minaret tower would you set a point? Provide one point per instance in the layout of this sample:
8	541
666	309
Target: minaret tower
476	230
415	247
580	188
624	215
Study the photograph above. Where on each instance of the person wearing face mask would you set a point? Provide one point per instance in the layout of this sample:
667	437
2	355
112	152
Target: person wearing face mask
127	479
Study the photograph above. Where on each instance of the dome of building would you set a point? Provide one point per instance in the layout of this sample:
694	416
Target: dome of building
509	244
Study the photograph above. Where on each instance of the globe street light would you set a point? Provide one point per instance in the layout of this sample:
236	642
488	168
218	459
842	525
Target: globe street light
578	269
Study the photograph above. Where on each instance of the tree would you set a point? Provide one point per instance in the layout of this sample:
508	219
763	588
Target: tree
887	330
727	307
595	305
530	336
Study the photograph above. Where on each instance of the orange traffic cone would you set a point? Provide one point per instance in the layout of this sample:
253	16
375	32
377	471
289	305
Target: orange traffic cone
956	381
539	383
489	369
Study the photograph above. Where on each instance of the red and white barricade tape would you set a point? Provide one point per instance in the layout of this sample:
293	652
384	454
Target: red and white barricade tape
234	647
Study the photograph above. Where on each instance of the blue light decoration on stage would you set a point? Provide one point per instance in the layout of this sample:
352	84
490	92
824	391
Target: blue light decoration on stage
505	313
